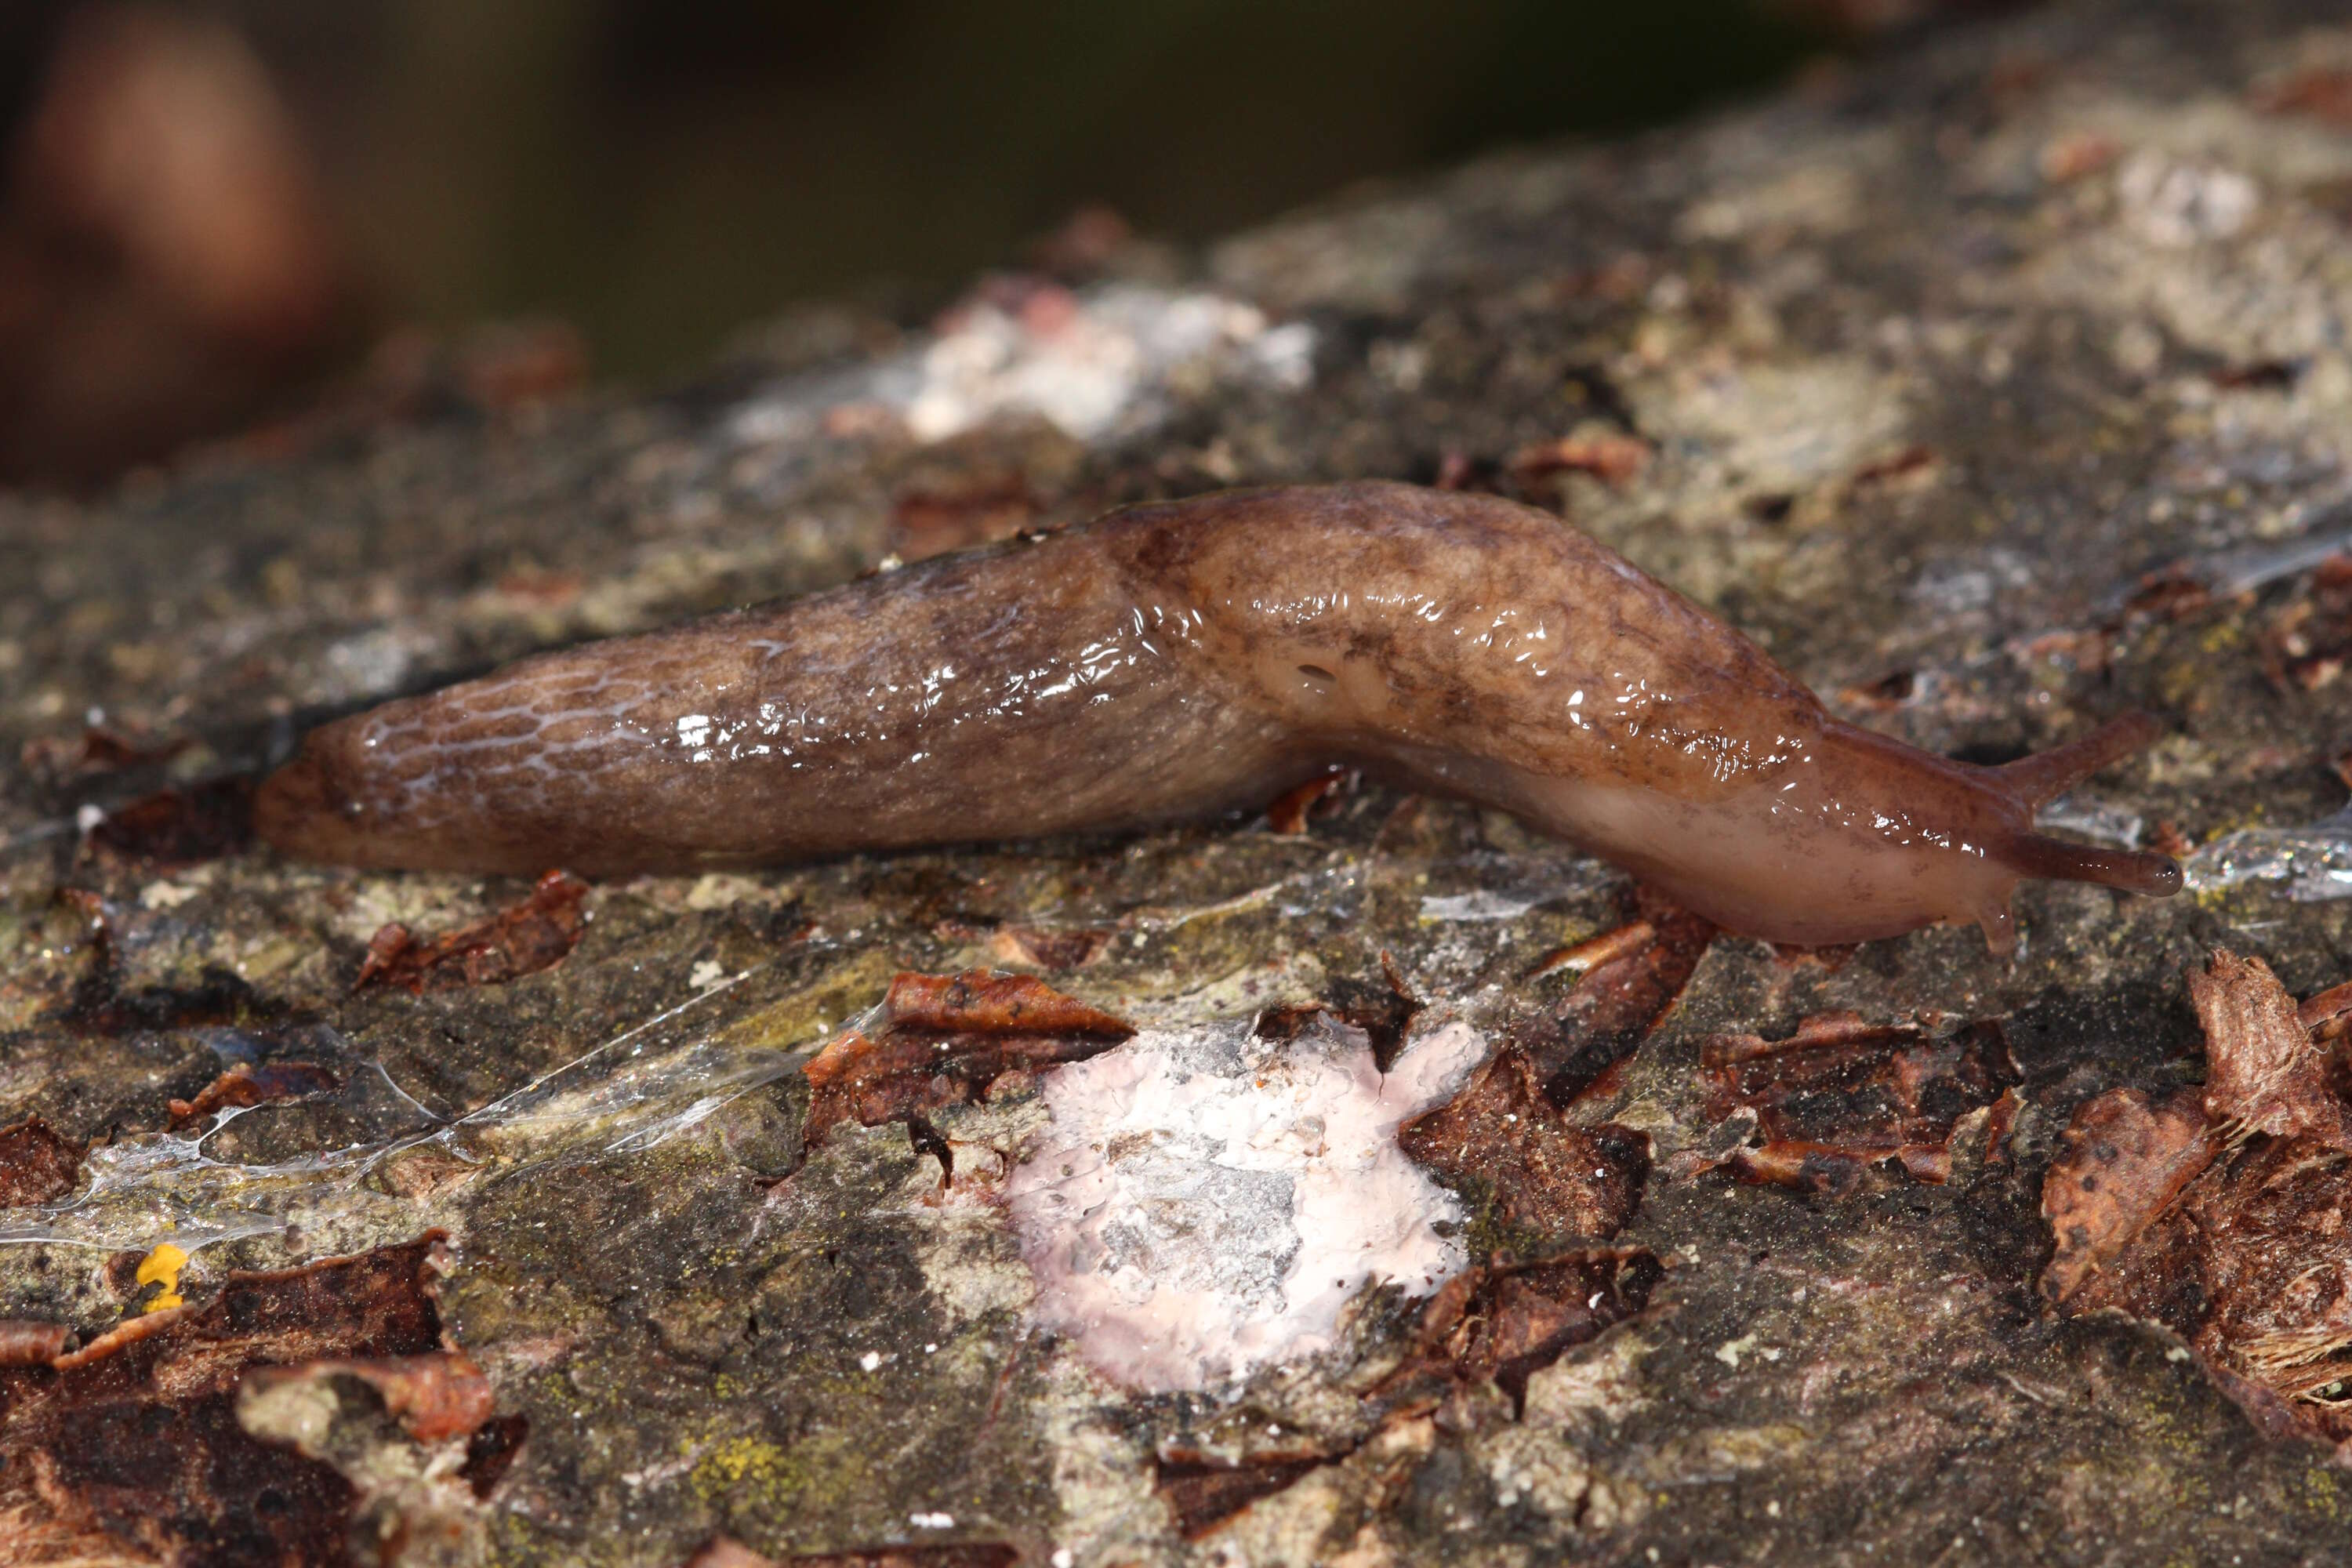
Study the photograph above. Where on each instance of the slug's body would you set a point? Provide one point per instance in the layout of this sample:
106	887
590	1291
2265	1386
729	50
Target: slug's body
1167	661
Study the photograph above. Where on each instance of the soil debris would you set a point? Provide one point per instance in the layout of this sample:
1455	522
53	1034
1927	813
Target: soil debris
1383	1009
1318	797
2304	645
181	825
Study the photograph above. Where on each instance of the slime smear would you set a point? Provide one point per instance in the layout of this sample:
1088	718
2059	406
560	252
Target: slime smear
629	1094
2313	863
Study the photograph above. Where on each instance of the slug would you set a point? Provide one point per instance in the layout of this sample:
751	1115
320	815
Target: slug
1173	660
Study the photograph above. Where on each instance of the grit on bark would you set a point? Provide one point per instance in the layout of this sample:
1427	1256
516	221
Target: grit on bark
1995	389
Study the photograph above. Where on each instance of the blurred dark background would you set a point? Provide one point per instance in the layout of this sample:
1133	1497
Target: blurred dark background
210	210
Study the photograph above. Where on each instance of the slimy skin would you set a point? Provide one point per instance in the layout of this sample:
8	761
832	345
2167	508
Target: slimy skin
1174	660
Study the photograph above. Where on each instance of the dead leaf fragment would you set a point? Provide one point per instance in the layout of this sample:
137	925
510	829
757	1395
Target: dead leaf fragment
1841	1094
2221	1212
2123	1162
2260	376
2304	645
1545	1173
97	750
520	940
2076	154
2169	593
1612	459
121	1337
2329	1015
976	1002
2262	1073
27	1343
490	1451
1317	797
1207	1491
2322	92
1506	1320
136	1434
981	509
244	1085
1048	949
1912	464
946	1039
37	1166
1627	941
1383	1009
1630	988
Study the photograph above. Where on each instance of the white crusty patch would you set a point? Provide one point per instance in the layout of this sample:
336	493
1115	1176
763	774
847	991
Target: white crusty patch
1206	1202
1099	361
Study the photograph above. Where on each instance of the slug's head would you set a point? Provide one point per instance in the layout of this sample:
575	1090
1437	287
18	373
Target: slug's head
1865	836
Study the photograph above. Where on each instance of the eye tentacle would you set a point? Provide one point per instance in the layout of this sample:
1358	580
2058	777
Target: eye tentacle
2044	776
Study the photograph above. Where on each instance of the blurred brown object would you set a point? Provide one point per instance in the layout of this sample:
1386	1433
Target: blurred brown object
166	259
1868	18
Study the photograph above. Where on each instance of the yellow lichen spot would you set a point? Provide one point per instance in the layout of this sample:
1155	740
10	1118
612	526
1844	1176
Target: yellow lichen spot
2221	637
736	1463
163	1265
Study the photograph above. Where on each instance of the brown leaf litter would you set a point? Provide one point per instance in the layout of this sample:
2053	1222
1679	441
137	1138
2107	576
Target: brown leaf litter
134	1439
1206	1490
37	1166
1613	459
246	1085
1507	1319
1842	1095
971	509
1507	1129
1631	979
54	760
1383	1009
2218	1211
1545	1173
522	939
1049	947
949	1039
1318	797
2304	645
1491	1327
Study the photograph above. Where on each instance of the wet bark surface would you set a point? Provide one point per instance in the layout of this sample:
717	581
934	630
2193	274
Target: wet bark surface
1997	389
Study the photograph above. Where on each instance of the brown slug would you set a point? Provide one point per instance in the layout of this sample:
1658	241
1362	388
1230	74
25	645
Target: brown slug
1175	659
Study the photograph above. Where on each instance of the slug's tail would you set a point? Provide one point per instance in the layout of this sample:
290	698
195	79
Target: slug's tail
2128	871
2045	775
